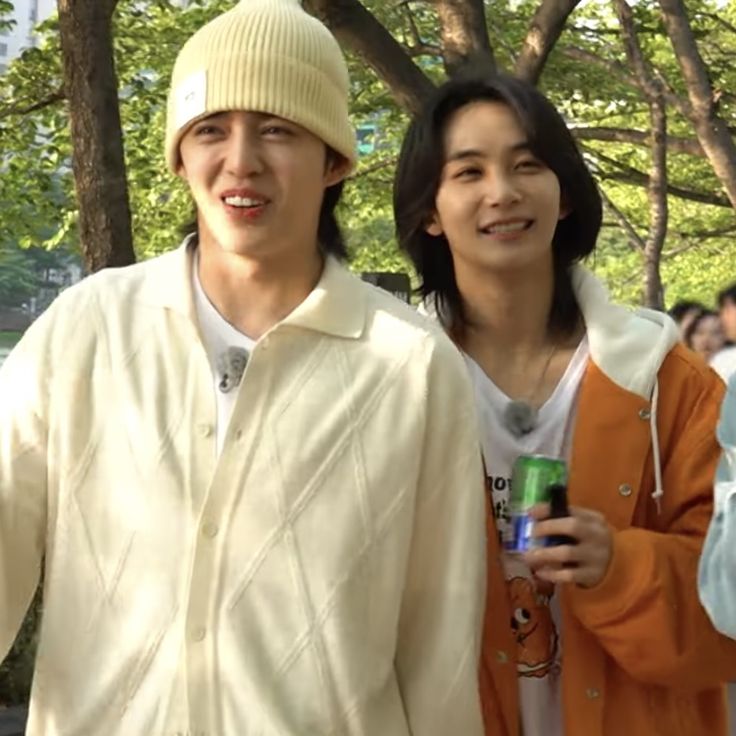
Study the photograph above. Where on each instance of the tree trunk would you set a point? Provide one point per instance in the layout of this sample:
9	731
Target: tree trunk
659	213
464	32
358	30
711	130
657	184
544	30
97	142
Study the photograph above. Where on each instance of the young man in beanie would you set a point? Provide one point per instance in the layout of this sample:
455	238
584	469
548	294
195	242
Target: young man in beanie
254	480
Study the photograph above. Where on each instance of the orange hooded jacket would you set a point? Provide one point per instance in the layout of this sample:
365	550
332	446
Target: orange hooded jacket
640	656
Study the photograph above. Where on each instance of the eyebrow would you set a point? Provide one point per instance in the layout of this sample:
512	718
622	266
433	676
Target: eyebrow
475	153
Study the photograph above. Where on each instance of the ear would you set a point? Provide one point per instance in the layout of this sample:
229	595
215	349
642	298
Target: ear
338	167
181	172
565	208
434	226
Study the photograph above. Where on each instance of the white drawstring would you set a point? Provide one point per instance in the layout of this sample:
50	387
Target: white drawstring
658	491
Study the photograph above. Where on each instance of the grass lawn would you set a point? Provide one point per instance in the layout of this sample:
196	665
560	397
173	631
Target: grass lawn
8	339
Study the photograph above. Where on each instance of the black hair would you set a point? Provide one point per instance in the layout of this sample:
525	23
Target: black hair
683	307
726	295
687	335
419	172
329	234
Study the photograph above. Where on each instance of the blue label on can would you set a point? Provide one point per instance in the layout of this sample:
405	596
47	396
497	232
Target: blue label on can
519	537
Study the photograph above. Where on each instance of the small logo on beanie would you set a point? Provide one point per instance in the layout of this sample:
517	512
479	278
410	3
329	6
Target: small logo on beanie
191	98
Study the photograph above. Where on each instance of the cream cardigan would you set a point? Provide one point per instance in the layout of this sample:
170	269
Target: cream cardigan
323	576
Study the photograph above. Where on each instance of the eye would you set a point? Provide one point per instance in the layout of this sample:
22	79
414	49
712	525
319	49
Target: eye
206	130
276	130
470	172
529	164
521	616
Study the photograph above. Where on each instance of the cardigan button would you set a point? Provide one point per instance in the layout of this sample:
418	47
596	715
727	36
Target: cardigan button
592	693
210	529
644	414
502	657
625	489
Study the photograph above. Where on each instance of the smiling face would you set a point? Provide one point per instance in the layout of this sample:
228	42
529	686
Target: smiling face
258	183
497	204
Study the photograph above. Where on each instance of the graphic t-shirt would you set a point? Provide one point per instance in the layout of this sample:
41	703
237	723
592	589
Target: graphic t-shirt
218	336
535	611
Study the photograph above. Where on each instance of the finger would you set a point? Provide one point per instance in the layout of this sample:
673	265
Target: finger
561	575
555	557
568	525
540	511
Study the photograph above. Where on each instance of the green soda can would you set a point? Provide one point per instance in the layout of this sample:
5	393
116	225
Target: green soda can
531	480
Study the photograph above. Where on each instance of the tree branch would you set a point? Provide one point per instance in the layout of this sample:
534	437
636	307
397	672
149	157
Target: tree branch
52	99
419	47
634	239
359	30
658	205
634	54
657	185
464	35
689	146
695	240
720	20
377	166
630	175
544	29
622	74
711	130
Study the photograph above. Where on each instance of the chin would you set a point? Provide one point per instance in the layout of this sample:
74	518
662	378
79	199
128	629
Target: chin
240	246
517	262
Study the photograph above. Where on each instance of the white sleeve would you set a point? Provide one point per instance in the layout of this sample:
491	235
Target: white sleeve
23	441
442	609
717	570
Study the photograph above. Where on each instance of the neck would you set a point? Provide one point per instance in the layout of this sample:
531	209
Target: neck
508	333
507	311
254	294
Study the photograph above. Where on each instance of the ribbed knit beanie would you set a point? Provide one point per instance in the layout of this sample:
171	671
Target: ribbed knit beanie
266	56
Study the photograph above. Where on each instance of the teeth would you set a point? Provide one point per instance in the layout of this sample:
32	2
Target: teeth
509	227
243	202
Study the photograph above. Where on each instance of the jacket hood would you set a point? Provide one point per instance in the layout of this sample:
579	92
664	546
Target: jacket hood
629	346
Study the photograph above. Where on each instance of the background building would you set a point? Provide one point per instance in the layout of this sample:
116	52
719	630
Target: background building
27	14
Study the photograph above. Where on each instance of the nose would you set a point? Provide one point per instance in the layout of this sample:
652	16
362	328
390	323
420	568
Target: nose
501	189
244	156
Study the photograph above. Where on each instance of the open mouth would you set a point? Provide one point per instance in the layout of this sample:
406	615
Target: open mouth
246	203
507	228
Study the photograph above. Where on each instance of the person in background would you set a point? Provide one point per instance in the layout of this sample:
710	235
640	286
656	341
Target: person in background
683	312
704	334
603	634
726	301
254	481
724	361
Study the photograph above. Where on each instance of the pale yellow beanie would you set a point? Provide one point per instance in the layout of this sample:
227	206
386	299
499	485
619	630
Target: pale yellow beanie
266	56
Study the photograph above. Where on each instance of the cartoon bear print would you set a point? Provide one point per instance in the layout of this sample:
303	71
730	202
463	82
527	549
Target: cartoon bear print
534	629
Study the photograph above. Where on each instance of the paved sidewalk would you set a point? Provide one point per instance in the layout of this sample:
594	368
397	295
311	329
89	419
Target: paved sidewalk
13	721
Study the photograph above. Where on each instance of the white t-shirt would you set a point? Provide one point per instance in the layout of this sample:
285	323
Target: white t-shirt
724	362
535	612
218	336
